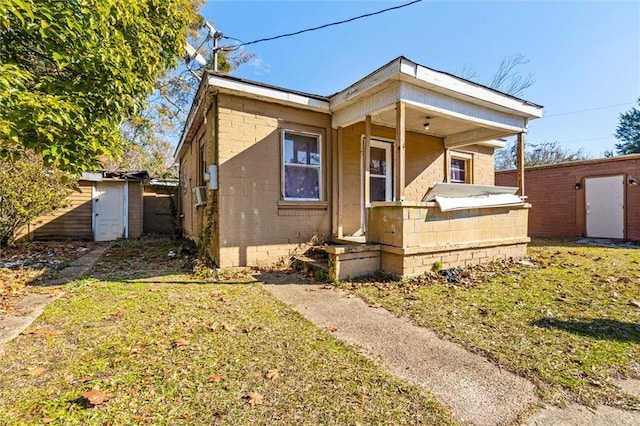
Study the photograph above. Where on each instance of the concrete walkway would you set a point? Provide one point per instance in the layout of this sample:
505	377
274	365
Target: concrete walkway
31	306
477	391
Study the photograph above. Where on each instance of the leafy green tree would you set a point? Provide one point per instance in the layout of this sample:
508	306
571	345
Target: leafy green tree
149	135
628	132
28	190
71	72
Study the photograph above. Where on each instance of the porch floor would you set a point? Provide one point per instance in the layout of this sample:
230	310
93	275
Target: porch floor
350	239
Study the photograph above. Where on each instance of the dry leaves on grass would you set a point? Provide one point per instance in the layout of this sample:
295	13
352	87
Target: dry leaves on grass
114	315
331	328
96	397
272	374
253	398
40	332
180	342
215	378
35	371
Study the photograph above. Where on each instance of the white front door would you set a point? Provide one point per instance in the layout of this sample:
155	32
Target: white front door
604	201
380	185
109	211
380	175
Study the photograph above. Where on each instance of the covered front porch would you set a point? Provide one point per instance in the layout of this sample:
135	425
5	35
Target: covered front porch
401	131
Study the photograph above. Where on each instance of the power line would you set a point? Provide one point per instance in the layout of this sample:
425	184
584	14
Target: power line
321	26
587	110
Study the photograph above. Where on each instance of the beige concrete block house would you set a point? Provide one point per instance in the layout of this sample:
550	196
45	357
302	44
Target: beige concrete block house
395	172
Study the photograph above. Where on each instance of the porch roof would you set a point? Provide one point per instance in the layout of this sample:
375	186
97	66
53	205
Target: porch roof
458	110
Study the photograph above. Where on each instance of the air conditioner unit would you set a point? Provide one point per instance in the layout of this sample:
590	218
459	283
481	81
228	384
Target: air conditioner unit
199	195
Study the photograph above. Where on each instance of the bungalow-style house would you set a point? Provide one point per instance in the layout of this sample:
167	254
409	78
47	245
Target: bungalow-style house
395	172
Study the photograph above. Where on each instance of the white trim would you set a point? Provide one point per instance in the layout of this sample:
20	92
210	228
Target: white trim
451	84
411	72
496	143
94	199
273	94
91	177
195	106
125	219
430	102
319	167
467	158
387	145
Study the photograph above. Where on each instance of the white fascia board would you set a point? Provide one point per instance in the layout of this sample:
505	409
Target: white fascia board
356	111
456	87
195	106
91	176
464	110
473	137
496	143
387	73
268	93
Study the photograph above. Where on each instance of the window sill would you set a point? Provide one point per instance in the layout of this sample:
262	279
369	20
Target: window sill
302	205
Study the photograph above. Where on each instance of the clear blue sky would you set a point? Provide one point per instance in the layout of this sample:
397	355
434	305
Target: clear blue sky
584	55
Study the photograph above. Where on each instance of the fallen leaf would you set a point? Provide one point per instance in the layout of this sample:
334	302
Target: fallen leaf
180	342
96	397
251	328
155	289
212	326
46	420
113	315
635	303
36	371
331	328
327	287
83	379
375	305
185	415
216	379
228	327
254	398
272	374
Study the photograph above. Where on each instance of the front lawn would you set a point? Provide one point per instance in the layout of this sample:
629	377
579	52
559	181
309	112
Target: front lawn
144	342
570	322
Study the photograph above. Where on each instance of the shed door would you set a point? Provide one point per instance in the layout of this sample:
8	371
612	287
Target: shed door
109	211
604	198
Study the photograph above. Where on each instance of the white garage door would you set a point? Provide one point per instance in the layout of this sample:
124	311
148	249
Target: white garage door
605	206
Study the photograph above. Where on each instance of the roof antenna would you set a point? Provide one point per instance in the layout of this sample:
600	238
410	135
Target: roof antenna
193	54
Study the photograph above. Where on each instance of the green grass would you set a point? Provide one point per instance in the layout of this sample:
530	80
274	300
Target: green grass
568	323
155	341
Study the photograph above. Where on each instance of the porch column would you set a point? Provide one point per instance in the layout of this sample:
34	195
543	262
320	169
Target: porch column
447	165
520	163
340	160
367	162
333	162
400	150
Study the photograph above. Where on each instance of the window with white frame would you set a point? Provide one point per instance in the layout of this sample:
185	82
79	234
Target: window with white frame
301	166
460	168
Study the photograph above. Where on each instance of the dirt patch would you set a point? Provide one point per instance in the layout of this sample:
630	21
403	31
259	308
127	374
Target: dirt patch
33	264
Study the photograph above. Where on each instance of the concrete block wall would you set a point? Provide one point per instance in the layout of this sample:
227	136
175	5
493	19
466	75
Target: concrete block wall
418	263
407	226
256	227
136	209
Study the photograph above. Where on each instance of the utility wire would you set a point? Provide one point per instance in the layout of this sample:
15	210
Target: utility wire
321	26
587	110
